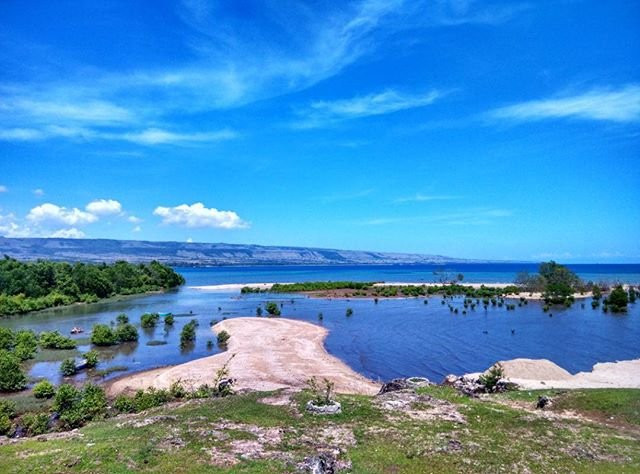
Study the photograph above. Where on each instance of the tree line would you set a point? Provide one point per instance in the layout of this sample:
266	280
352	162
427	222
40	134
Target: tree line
31	286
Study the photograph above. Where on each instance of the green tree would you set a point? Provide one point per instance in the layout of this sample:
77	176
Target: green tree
68	367
272	308
618	300
103	335
12	378
126	333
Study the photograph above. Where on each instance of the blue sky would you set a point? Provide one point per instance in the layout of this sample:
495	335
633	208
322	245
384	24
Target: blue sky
480	129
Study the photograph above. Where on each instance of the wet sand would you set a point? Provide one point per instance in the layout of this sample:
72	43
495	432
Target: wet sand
270	354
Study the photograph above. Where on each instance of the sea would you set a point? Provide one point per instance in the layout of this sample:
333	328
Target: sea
393	338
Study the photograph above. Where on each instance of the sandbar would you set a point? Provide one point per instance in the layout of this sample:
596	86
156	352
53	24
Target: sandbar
270	354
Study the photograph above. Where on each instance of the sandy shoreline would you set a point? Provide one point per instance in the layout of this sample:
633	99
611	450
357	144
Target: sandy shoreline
531	374
270	353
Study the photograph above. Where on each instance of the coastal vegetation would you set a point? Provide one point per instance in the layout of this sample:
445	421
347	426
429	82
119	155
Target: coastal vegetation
441	431
31	286
188	333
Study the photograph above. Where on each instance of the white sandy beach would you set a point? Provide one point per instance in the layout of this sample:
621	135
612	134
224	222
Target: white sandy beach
269	354
542	373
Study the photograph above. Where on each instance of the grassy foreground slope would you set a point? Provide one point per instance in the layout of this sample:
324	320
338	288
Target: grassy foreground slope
433	430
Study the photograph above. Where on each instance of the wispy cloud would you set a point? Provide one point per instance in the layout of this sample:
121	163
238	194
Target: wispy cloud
3	188
463	12
419	197
608	104
156	136
150	136
323	113
479	216
228	63
348	196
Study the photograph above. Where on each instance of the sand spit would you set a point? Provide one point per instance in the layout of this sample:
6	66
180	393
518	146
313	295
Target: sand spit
269	354
321	294
542	373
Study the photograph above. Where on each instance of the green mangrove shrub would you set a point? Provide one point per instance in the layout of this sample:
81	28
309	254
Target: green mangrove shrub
12	378
44	389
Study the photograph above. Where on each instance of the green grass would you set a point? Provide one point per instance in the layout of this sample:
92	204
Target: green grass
186	437
619	405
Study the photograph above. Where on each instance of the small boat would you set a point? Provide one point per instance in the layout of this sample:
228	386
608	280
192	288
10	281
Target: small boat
76	330
162	315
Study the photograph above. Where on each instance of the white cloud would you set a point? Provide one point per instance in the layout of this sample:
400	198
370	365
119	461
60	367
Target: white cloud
189	240
197	215
47	111
156	136
322	113
467	217
608	104
3	189
137	229
134	219
52	213
104	207
71	233
426	197
38	192
10	226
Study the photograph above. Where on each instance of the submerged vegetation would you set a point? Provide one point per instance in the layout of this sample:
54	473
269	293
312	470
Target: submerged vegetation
31	286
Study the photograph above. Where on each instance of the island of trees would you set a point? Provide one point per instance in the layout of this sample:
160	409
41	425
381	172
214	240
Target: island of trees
31	286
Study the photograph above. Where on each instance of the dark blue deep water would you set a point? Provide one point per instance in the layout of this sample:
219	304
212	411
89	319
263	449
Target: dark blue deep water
398	337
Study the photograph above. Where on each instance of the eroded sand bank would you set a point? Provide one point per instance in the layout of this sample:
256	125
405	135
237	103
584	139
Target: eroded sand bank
269	353
542	373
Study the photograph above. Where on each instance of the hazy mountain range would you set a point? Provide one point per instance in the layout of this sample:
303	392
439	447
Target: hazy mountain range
200	254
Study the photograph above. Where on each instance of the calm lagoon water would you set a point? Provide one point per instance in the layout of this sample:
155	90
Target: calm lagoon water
399	337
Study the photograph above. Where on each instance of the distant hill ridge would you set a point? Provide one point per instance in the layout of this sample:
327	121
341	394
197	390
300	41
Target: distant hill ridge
201	254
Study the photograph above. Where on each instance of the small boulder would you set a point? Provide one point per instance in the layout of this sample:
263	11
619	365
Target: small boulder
543	402
333	408
394	385
322	464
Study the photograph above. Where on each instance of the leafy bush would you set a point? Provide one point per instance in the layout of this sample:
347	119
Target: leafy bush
12	378
124	404
177	390
44	389
68	367
149	320
272	308
91	359
349	312
618	300
122	319
188	333
66	397
490	379
103	335
143	400
8	408
126	333
223	337
26	345
169	319
55	340
5	424
36	423
7	339
322	394
76	407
